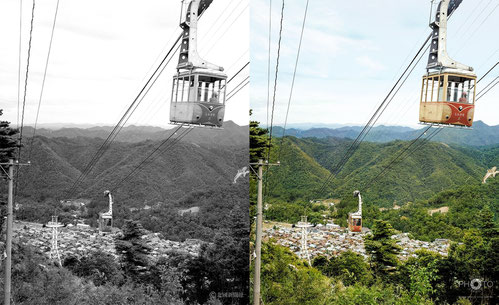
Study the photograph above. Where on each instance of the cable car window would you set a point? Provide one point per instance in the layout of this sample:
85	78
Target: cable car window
192	89
461	89
174	96
441	89
424	90
210	89
434	88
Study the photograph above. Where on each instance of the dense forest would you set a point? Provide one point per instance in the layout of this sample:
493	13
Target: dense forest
435	193
197	173
349	279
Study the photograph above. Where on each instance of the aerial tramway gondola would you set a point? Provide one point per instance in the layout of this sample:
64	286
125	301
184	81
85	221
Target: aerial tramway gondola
448	88
198	90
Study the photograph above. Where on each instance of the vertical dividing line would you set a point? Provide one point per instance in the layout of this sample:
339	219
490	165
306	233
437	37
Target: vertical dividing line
268	63
19	61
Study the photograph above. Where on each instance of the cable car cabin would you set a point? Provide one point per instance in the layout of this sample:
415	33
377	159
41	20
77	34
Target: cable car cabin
448	98
354	222
198	97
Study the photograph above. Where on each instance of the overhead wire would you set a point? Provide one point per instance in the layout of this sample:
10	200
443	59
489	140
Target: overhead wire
230	97
366	186
437	131
208	51
152	83
355	144
269	145
125	117
353	147
147	158
19	62
24	99
268	63
275	82
103	148
43	80
293	80
26	80
482	94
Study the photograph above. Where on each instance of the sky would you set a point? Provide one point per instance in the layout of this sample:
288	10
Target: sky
104	51
353	52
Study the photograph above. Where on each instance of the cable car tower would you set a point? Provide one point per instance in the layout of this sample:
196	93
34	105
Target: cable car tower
198	90
106	218
304	225
448	88
54	248
355	219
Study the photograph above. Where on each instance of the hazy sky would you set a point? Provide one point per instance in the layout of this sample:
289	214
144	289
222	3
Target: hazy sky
353	51
103	51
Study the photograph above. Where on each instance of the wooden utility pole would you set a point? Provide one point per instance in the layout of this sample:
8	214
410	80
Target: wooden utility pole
259	225
8	241
258	246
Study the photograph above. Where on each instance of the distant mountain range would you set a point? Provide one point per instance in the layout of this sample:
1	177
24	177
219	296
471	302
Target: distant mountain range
231	133
481	134
203	160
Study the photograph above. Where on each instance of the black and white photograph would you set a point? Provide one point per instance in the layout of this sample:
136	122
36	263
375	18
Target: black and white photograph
124	152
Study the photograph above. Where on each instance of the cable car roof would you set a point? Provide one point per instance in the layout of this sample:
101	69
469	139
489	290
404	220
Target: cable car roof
452	71
205	72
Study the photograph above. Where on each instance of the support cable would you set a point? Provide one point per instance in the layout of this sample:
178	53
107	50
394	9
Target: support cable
43	81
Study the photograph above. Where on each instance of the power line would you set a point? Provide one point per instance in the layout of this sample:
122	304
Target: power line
43	81
125	117
293	81
237	91
24	98
274	95
275	81
26	82
397	157
268	63
368	126
148	157
19	62
488	89
235	88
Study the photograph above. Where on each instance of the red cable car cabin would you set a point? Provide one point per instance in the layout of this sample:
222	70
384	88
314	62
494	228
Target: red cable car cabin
198	97
448	98
354	222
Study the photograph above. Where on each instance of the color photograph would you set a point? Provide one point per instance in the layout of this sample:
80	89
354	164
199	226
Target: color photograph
374	142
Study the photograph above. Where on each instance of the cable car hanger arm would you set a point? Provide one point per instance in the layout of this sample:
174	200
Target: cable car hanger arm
189	57
438	57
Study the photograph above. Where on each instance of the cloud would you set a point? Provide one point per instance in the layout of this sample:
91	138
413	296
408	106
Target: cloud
370	64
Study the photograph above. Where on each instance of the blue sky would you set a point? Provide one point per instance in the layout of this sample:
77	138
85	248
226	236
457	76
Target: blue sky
352	53
102	53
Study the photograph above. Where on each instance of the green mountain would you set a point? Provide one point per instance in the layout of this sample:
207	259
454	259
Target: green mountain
432	168
192	173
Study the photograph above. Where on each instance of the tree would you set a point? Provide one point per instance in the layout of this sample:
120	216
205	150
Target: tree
382	249
133	250
8	144
258	141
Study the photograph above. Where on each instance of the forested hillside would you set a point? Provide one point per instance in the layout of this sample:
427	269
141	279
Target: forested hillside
432	168
196	173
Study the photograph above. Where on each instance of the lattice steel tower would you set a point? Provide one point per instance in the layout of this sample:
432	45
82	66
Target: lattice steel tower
304	225
54	249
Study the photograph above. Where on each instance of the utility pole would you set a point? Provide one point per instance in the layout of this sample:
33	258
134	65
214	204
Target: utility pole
259	225
8	242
